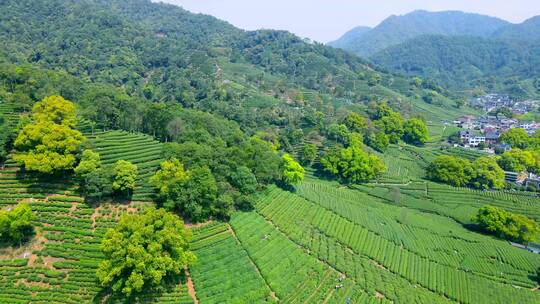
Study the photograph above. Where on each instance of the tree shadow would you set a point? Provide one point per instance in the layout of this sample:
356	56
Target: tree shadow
106	295
43	184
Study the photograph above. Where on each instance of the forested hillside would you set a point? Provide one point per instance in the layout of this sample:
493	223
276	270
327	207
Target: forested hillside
466	62
459	51
397	29
163	53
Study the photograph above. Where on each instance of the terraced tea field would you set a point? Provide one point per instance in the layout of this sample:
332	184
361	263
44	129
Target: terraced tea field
58	265
141	150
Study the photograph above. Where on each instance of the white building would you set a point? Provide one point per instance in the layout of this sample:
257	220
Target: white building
474	141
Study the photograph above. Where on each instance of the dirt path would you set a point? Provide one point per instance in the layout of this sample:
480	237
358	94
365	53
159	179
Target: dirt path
191	287
272	292
94	217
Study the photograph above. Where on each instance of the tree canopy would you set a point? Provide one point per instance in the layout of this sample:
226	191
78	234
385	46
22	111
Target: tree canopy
352	164
516	137
144	250
450	170
415	131
49	143
124	176
16	224
507	225
293	172
483	173
518	160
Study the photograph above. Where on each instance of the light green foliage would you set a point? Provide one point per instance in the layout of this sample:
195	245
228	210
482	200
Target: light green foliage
309	153
508	225
518	160
356	122
483	173
143	250
415	132
293	172
450	170
54	109
352	164
48	144
516	137
124	176
392	126
378	141
338	132
487	174
387	121
168	178
90	161
16	224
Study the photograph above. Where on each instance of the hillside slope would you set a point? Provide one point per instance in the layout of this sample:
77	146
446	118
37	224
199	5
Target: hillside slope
397	29
163	53
465	62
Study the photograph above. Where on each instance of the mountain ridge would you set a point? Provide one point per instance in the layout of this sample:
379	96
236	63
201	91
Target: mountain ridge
396	29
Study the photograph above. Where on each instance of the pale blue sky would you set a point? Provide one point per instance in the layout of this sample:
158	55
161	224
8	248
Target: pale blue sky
325	20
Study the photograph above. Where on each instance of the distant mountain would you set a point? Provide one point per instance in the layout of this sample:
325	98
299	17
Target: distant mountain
350	36
528	30
462	62
398	29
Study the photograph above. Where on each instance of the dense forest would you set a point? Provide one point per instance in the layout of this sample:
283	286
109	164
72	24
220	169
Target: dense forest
463	52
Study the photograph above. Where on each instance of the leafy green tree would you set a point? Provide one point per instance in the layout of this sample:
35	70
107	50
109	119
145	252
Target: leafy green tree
504	224
244	180
378	141
309	153
415	132
392	126
124	176
143	250
16	224
450	170
352	164
55	109
460	102
49	143
517	138
168	179
197	197
416	81
98	183
292	172
356	122
338	132
487	174
90	161
517	160
379	110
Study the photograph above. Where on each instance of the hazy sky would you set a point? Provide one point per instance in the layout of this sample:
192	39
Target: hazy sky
326	20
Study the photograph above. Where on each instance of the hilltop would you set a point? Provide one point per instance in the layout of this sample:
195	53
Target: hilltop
460	51
397	29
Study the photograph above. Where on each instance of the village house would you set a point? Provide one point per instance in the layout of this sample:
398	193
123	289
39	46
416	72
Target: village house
476	140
